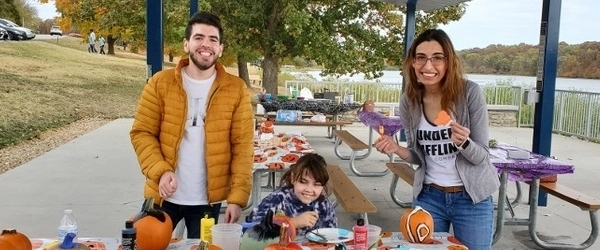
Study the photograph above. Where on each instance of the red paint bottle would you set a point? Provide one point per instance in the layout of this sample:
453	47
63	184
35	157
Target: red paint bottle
360	235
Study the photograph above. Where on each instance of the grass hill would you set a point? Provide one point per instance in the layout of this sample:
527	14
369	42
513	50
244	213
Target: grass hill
47	85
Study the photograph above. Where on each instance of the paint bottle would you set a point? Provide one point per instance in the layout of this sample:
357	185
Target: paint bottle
128	236
206	224
360	235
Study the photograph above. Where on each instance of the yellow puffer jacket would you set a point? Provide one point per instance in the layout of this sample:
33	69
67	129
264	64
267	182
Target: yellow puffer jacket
158	130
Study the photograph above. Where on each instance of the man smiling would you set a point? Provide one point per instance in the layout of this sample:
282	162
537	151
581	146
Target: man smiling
193	132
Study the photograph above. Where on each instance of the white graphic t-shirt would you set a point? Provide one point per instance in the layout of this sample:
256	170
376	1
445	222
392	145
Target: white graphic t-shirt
191	163
440	154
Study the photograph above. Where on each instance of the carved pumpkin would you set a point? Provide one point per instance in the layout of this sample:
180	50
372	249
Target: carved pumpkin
286	237
290	158
11	239
416	226
259	158
154	227
281	219
275	165
267	127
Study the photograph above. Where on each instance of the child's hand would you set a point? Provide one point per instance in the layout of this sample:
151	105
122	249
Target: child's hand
306	219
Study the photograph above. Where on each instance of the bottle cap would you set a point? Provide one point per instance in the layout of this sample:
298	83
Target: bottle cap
129	224
360	222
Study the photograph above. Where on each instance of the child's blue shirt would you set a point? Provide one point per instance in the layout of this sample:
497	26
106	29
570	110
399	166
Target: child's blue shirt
285	199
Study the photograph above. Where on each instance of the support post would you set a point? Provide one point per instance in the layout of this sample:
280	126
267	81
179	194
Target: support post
546	82
154	36
193	7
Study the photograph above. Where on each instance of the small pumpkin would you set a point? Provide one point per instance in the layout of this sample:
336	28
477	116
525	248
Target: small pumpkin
267	127
290	158
275	165
286	238
11	239
416	226
281	219
154	227
204	245
259	158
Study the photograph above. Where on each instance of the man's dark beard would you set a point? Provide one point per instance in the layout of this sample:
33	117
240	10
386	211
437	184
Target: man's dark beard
199	65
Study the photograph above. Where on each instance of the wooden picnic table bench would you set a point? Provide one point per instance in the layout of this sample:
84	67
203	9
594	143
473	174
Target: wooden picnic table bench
349	195
355	145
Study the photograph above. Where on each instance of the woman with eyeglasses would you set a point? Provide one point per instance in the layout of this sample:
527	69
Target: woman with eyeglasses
455	178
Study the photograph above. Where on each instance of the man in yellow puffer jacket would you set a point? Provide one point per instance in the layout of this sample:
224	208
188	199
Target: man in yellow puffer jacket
193	132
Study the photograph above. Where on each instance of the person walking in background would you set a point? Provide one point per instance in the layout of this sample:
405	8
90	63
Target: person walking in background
455	178
193	132
302	196
101	42
92	42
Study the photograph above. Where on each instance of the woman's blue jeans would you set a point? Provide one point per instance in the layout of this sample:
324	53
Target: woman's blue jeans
191	214
472	224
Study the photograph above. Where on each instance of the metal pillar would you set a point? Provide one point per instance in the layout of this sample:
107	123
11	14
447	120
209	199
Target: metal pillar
409	36
193	7
154	36
546	82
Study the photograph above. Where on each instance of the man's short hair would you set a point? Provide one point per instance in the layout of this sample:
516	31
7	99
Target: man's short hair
207	18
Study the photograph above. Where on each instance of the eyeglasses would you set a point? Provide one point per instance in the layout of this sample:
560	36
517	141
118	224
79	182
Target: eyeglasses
435	60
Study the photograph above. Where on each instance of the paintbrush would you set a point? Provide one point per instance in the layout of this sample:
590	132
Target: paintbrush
376	241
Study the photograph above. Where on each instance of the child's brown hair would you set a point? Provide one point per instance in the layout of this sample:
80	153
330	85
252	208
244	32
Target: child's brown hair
309	164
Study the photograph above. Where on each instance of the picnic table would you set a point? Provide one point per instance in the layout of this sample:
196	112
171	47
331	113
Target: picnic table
390	240
275	155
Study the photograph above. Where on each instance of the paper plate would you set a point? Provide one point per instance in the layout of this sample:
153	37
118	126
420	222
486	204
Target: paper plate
332	235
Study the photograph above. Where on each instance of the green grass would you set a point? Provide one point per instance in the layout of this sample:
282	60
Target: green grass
47	85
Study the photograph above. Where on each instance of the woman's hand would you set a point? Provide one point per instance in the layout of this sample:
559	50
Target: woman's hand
306	219
459	133
386	144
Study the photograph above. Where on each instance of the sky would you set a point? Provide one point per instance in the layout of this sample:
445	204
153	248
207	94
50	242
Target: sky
488	22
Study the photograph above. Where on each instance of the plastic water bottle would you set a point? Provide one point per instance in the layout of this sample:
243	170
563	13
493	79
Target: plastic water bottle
67	225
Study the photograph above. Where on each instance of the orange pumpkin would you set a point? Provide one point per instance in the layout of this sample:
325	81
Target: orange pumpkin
267	127
154	227
416	226
258	158
290	158
287	235
275	165
11	239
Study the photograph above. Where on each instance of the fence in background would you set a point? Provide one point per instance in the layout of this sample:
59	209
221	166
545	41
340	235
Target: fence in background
576	113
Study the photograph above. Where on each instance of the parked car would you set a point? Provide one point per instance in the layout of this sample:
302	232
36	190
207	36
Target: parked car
55	30
14	33
28	33
3	34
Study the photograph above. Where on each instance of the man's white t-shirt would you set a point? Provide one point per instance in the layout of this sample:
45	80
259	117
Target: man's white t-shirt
191	163
440	154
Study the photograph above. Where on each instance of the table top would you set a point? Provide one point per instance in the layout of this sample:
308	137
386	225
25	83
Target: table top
390	240
536	166
279	152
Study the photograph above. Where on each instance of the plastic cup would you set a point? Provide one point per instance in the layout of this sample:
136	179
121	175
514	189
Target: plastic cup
227	236
373	235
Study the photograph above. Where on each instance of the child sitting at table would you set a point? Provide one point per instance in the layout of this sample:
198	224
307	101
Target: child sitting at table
302	195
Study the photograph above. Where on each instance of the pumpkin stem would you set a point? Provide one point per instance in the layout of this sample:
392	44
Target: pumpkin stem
8	231
148	210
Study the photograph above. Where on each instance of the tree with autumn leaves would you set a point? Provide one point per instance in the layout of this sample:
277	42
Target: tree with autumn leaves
342	36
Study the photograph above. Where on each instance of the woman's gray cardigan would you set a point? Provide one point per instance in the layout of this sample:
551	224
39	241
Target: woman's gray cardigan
475	169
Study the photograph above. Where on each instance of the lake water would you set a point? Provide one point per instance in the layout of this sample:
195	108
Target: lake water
576	84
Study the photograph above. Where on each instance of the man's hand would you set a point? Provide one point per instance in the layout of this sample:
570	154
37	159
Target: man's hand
167	185
306	219
232	213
